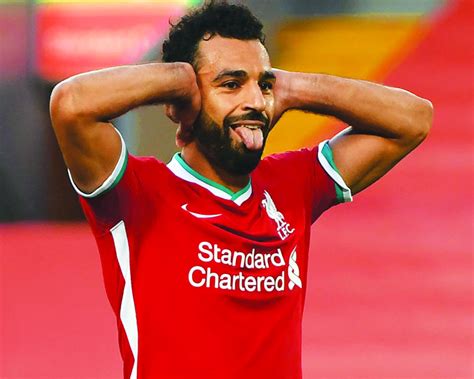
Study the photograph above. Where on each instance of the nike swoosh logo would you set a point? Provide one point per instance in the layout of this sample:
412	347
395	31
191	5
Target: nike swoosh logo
198	215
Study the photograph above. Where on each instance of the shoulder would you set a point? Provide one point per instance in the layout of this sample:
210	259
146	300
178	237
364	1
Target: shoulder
145	165
148	175
290	162
130	176
294	156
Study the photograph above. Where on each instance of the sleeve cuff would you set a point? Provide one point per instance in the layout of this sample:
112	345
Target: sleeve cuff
325	157
112	180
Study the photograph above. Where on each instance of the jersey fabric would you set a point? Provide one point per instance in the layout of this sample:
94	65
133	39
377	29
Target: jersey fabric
207	283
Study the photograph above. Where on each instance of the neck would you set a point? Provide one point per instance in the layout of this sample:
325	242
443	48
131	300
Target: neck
198	162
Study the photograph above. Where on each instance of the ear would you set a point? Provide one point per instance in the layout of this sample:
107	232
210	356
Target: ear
184	135
170	111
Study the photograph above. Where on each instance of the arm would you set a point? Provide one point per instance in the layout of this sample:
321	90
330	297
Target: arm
81	108
386	123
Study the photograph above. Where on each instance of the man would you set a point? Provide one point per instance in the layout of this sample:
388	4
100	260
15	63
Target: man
205	258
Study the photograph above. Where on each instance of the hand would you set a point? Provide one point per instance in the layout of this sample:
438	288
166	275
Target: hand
185	109
281	92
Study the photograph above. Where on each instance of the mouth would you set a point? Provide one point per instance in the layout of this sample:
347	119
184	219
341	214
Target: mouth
250	132
249	124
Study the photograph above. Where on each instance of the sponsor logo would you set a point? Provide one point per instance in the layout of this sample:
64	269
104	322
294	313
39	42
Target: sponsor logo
249	263
283	228
294	272
199	215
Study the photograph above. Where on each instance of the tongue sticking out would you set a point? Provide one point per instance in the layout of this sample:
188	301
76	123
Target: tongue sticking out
252	138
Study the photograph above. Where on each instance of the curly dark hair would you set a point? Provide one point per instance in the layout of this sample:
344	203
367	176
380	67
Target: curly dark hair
214	17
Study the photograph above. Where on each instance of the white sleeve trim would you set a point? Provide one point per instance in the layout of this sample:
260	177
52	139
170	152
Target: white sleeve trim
346	191
106	185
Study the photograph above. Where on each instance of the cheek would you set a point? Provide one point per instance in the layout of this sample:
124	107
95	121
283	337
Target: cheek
217	107
270	106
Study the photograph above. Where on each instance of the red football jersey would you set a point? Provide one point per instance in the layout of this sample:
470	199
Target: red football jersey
207	283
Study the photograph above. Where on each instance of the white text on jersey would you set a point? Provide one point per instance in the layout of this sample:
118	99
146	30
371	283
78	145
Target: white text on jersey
246	280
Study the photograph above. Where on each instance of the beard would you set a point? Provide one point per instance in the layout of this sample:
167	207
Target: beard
221	150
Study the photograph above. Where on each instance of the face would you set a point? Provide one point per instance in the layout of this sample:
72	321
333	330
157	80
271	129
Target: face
236	85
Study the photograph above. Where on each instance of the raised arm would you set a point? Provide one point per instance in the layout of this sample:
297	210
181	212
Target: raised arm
386	123
82	106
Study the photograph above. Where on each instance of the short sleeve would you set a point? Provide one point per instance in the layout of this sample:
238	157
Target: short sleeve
327	188
113	178
117	198
306	178
326	160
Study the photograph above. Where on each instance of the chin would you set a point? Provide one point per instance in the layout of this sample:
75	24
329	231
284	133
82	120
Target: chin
223	151
241	162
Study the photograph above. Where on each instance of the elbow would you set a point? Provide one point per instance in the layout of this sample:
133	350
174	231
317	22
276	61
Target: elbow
426	118
422	121
63	107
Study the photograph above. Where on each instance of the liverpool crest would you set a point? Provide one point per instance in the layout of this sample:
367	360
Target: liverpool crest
283	228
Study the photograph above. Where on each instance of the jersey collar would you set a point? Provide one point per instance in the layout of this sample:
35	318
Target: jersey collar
182	170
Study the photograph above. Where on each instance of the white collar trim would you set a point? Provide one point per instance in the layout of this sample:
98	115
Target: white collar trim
183	171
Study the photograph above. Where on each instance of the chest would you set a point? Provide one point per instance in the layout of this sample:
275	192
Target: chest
254	250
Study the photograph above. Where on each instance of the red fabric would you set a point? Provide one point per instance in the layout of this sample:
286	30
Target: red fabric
236	329
390	277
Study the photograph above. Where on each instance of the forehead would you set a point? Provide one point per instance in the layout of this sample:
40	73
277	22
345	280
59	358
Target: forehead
219	53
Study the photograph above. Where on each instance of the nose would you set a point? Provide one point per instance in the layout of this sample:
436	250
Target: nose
254	99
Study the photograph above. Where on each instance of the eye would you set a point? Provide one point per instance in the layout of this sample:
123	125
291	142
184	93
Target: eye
232	84
266	86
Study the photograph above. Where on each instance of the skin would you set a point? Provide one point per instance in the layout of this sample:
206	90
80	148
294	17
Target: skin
232	79
386	123
82	106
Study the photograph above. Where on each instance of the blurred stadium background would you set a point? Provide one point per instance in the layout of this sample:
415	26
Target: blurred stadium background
391	285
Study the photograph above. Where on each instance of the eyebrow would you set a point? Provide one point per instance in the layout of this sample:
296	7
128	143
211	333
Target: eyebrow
242	74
